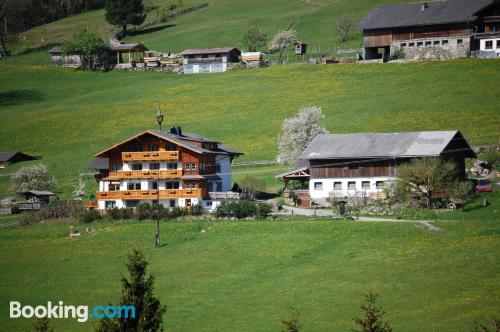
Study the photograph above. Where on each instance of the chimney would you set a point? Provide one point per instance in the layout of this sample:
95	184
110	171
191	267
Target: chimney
424	6
179	131
176	131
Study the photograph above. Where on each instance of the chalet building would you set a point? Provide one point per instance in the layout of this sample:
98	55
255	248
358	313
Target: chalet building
181	169
209	60
345	166
430	30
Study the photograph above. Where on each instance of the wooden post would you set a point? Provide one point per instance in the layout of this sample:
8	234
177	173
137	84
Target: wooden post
129	57
118	58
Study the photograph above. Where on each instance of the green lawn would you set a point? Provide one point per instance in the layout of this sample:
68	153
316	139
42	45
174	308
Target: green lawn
243	276
66	115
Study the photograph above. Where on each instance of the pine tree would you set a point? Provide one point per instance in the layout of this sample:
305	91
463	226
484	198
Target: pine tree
125	12
137	291
372	320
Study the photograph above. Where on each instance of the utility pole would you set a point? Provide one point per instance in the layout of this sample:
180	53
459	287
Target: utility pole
159	119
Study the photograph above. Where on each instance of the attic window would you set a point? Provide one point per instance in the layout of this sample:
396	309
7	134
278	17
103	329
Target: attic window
171	147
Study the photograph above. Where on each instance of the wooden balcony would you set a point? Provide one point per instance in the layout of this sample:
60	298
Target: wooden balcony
145	174
151	156
152	194
90	204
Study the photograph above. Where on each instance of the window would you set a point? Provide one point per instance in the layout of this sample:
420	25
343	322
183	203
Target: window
136	167
171	165
318	185
365	184
171	203
136	148
218	186
420	44
115	167
114	187
134	186
154	166
337	185
460	41
209	204
187	166
498	44
403	45
218	168
153	147
488	44
193	166
351	185
154	185
436	42
172	185
379	184
171	147
411	44
132	204
444	42
190	185
110	205
428	43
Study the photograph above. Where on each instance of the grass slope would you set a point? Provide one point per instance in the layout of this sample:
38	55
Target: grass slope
66	115
243	276
220	24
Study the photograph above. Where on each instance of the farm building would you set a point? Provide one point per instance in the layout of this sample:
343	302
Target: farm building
431	30
344	166
300	48
180	169
128	55
209	60
69	60
12	157
35	199
252	59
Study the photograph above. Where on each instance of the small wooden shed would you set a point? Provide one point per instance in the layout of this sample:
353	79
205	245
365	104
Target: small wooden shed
12	157
127	54
68	60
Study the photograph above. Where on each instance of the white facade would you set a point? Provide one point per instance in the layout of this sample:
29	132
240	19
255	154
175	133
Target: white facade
490	47
324	188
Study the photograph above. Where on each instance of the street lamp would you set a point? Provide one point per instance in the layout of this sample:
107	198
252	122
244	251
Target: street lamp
159	119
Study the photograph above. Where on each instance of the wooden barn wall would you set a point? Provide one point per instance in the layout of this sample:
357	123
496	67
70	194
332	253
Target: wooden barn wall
377	38
351	168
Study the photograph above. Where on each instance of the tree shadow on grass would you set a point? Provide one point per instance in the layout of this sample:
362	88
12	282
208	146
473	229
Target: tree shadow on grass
150	30
19	97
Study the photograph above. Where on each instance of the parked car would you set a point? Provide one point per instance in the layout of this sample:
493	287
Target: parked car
484	185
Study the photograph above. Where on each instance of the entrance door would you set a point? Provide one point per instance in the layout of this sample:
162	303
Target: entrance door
188	203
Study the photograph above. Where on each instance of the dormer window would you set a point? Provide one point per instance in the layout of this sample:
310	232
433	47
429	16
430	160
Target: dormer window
136	147
153	147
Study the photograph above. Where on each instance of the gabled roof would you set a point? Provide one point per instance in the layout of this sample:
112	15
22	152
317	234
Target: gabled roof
37	192
16	156
127	47
199	51
55	49
411	14
184	140
384	145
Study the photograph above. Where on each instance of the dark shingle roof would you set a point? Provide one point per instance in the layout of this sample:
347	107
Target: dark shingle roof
16	156
99	163
126	47
411	14
386	145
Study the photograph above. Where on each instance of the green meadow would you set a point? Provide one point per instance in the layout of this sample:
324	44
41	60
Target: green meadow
244	276
67	115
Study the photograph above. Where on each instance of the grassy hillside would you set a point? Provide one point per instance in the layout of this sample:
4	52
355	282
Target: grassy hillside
67	115
220	24
243	276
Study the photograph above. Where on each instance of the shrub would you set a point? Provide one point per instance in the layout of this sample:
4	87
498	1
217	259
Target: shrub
264	210
127	213
177	212
115	213
142	211
292	324
89	216
196	210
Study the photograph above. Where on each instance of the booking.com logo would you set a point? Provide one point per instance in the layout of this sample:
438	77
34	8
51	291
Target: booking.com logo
60	310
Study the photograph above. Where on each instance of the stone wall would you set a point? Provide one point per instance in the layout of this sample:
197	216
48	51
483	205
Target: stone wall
432	48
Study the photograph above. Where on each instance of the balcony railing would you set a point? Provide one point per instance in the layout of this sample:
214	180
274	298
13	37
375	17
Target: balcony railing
151	156
90	204
145	174
152	194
